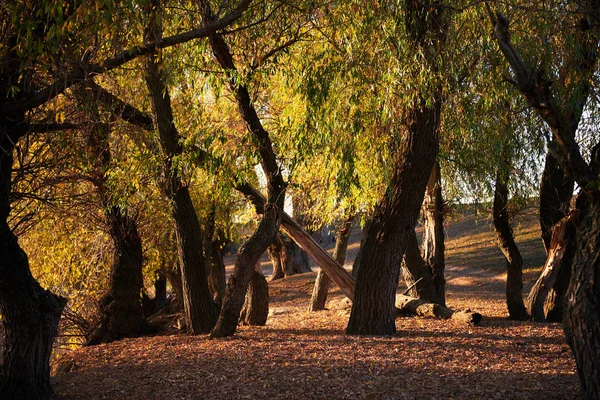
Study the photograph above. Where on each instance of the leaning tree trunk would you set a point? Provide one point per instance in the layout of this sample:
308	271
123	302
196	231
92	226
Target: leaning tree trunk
268	227
373	310
30	314
433	232
506	242
322	283
200	310
582	325
256	304
563	235
417	275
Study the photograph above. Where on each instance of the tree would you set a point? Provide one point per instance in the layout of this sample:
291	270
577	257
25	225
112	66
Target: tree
555	106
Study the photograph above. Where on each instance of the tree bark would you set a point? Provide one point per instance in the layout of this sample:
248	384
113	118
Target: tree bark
256	304
417	274
562	235
30	314
358	259
200	310
373	311
433	232
293	260
322	283
268	227
506	242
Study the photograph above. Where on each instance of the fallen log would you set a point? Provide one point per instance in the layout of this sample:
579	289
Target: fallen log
332	268
423	308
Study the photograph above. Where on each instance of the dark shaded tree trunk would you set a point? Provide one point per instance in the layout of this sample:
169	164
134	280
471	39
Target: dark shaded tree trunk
256	304
417	275
200	310
358	258
160	289
563	236
275	250
268	227
323	281
373	310
433	232
506	243
30	314
214	242
556	190
293	259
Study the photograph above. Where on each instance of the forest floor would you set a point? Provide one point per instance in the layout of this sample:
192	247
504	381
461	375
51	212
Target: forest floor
307	355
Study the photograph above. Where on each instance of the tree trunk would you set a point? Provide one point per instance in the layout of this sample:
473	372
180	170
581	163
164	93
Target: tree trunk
293	259
582	325
417	274
358	258
160	289
275	250
121	306
506	242
200	310
216	280
556	190
322	283
256	304
433	232
562	234
268	227
30	314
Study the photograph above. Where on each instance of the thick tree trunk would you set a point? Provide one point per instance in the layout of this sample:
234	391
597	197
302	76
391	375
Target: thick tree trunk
216	279
424	308
562	235
433	232
275	250
30	314
582	325
322	283
506	242
256	304
160	289
417	275
200	310
293	259
121	306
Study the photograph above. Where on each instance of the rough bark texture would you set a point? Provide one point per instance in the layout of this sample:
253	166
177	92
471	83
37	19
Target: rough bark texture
256	304
293	259
582	322
433	232
562	234
357	260
506	242
417	275
200	310
268	227
30	314
322	283
395	216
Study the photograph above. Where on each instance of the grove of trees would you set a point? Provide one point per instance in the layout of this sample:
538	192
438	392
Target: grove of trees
133	136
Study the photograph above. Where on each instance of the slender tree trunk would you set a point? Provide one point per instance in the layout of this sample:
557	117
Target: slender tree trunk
506	242
160	288
268	227
433	232
417	274
373	310
275	250
216	280
200	310
322	283
30	314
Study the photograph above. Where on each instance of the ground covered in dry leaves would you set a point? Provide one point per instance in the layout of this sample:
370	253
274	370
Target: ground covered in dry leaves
307	355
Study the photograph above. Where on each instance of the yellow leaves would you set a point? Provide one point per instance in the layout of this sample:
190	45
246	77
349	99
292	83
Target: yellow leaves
60	117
